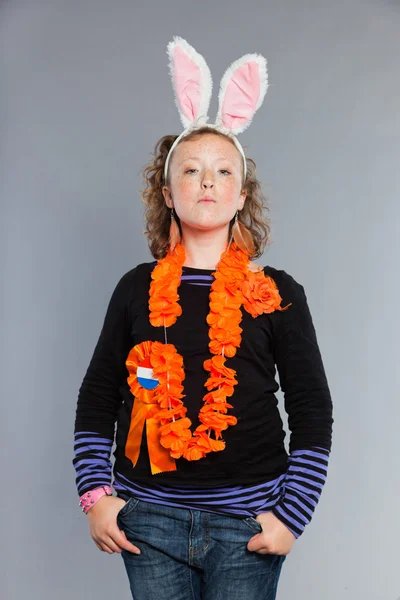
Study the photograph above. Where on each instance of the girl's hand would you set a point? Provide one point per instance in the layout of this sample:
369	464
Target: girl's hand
104	530
275	538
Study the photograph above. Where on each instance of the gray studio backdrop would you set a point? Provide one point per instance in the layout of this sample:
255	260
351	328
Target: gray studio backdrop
85	93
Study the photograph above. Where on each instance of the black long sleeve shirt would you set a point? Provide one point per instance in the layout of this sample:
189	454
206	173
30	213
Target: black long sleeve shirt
283	341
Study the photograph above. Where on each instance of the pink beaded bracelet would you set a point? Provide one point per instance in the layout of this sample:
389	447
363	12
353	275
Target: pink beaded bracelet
88	499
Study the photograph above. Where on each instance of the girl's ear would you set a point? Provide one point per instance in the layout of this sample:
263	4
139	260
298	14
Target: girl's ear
242	90
167	196
191	80
243	196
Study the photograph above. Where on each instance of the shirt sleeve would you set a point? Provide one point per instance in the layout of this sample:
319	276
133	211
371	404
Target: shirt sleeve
307	402
99	395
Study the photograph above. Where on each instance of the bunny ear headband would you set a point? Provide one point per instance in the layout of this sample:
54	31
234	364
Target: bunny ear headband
242	90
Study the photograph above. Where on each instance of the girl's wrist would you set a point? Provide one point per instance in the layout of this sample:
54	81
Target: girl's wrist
89	498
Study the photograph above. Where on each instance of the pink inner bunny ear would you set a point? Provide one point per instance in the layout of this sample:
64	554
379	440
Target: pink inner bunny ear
187	83
191	80
242	91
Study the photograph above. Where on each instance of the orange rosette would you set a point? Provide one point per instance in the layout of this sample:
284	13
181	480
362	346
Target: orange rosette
144	408
136	355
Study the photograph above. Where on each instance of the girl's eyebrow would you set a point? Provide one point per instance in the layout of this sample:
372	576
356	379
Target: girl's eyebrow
199	158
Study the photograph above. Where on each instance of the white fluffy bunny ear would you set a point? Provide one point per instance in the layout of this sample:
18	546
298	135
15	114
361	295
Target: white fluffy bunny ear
191	80
241	93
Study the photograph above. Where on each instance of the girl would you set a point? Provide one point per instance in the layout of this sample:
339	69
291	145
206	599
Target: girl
208	503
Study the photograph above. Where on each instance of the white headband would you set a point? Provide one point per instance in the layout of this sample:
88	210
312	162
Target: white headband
242	90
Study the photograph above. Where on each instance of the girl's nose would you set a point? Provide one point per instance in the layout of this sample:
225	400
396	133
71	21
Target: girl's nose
208	179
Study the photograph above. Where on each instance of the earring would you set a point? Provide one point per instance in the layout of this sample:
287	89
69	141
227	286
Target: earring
243	237
174	233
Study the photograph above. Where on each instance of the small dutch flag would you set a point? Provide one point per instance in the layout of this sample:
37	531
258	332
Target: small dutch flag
145	375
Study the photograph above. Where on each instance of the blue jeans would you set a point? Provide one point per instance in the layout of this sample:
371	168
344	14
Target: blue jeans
194	555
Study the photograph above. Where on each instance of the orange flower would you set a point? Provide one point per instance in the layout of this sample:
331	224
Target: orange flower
221	322
175	426
175	435
217	406
260	294
225	300
216	364
233	264
164	357
194	452
164	272
164	288
176	443
178	412
229	349
216	420
170	399
164	313
228	335
204	441
225	385
222	284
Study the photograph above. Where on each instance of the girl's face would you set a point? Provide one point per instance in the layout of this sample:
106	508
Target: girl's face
205	183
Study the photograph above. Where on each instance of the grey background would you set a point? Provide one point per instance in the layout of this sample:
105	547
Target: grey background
85	94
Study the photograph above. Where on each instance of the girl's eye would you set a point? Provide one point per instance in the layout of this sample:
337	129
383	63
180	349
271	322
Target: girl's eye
224	171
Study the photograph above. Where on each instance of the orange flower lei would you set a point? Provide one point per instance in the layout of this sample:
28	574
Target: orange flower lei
235	285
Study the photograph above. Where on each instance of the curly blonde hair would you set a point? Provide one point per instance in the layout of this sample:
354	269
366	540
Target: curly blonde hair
158	215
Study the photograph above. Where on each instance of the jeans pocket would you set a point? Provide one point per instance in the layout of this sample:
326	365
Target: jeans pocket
128	507
253	524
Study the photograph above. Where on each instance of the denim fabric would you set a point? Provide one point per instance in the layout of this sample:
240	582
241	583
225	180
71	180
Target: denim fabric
194	555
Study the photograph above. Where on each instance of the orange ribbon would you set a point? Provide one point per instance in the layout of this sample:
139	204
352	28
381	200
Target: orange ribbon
142	412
